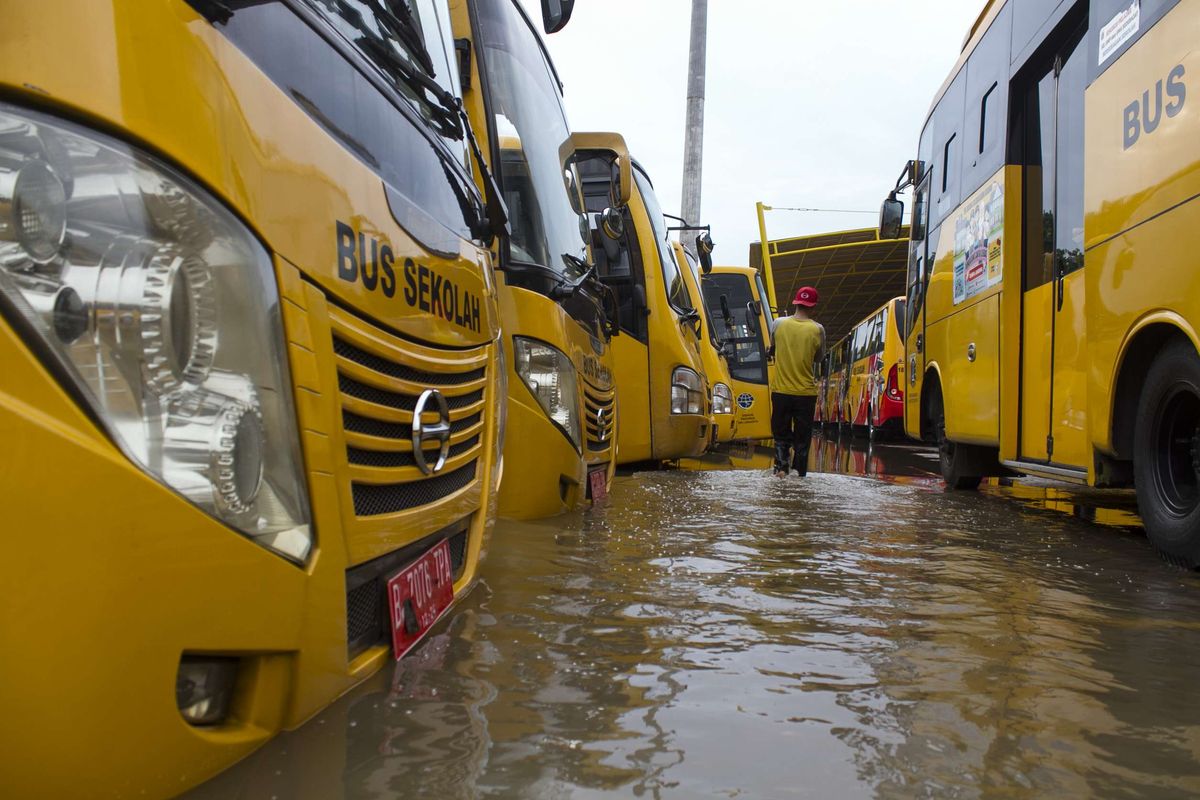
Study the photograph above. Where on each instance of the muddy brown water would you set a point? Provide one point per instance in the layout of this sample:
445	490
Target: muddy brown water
728	634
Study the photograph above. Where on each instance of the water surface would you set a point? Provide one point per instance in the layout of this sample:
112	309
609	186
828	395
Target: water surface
728	634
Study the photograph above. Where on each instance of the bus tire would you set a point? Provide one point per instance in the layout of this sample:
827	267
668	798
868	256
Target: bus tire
959	462
1166	454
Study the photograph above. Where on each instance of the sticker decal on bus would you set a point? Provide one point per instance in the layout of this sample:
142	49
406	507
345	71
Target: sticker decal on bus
978	246
1120	29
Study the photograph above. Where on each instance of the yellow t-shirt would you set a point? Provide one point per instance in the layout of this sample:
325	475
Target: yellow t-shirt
797	344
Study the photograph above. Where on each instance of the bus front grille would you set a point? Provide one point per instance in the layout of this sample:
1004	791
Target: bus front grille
380	382
599	408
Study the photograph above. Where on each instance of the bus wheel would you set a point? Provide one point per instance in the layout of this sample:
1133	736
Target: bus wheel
1166	454
959	462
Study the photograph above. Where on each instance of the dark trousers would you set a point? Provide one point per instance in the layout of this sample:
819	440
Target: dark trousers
791	426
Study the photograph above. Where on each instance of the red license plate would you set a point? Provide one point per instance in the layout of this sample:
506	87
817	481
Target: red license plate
418	595
599	483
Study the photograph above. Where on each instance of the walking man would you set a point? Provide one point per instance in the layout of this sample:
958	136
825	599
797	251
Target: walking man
799	342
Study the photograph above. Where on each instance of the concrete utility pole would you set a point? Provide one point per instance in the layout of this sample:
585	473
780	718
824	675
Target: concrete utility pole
693	139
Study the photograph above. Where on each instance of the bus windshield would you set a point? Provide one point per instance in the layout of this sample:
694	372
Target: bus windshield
748	361
531	129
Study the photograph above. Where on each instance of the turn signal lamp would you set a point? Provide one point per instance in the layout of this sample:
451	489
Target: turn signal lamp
722	399
687	392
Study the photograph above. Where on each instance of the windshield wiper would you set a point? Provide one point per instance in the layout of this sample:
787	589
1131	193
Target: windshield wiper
449	115
566	288
442	104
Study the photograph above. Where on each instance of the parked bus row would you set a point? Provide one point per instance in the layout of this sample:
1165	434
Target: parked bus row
860	389
1053	304
296	298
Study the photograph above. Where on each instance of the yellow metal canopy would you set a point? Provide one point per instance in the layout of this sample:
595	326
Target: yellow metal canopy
855	273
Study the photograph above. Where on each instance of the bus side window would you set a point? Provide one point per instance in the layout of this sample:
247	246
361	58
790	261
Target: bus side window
947	125
986	106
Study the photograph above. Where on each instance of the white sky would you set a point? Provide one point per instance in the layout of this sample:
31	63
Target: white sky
811	103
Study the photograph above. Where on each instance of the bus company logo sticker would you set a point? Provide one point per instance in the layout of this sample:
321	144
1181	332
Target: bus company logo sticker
745	400
599	374
372	262
425	433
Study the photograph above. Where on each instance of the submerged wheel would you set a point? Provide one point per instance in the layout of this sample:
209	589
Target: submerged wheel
1166	454
959	462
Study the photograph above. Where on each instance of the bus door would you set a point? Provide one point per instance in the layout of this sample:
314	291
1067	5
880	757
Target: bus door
919	266
621	268
1053	366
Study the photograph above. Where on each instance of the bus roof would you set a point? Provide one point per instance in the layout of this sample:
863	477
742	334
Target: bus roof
855	271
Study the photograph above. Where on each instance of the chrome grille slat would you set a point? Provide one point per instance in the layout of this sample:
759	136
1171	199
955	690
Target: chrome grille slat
377	377
403	402
599	437
356	423
401	458
402	372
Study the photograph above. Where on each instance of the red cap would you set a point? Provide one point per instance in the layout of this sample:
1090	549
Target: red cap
807	297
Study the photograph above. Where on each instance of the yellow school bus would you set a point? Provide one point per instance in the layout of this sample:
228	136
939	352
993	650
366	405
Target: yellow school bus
738	302
561	424
662	408
248	374
874	398
1053	303
716	367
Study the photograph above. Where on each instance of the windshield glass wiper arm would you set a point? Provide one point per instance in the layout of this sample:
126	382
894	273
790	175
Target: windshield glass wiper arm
567	288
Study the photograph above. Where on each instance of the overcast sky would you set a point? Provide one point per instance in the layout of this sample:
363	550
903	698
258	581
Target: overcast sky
812	103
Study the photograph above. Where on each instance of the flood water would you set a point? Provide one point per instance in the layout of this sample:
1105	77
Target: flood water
723	633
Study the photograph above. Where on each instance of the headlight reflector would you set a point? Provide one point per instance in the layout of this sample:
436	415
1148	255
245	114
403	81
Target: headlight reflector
687	392
163	311
550	375
722	399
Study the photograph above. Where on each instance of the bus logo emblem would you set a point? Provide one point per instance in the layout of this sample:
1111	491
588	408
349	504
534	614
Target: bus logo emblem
424	433
745	400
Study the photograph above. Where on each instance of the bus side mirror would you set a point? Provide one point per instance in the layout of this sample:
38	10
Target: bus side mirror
621	191
556	14
704	249
639	296
604	237
622	182
612	222
752	312
891	217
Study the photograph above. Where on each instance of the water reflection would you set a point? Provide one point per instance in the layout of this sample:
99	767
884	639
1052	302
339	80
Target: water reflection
726	633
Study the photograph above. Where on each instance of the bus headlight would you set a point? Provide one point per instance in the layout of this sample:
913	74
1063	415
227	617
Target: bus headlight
722	399
550	375
687	392
162	310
